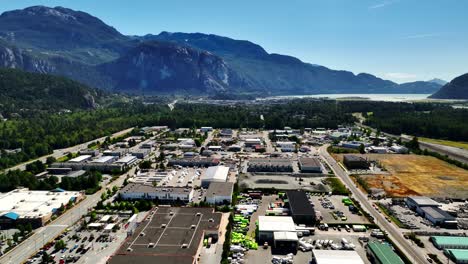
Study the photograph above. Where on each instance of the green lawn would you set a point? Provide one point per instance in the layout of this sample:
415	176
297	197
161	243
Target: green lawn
456	144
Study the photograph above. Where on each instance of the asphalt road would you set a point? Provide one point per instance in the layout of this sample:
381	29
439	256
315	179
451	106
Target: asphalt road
395	235
62	152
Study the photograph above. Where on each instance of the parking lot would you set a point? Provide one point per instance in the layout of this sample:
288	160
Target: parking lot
334	211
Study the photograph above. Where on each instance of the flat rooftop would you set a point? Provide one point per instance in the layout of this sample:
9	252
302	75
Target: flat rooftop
336	256
146	188
28	203
309	162
451	240
220	189
423	201
168	241
276	223
299	203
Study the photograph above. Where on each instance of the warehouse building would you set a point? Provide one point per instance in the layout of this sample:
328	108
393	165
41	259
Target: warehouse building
127	161
270	165
105	159
219	193
206	129
450	242
320	256
354	162
285	242
22	206
459	256
119	152
194	162
92	152
302	211
268	225
251	142
140	153
214	174
310	165
81	158
69	166
415	203
380	253
135	191
438	216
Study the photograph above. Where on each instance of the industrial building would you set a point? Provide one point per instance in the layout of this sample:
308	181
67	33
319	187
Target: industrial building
219	193
22	206
251	142
141	153
376	149
206	129
105	159
227	132
354	144
438	216
450	242
194	162
459	256
127	161
268	225
399	149
415	203
170	235
320	256
115	152
214	174
310	165
285	242
270	165
302	211
380	253
354	162
136	191
92	152
81	158
69	166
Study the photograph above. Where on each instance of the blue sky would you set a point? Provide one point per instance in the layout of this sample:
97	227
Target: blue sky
400	40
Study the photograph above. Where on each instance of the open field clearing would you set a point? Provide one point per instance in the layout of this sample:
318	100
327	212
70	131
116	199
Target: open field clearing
455	144
416	174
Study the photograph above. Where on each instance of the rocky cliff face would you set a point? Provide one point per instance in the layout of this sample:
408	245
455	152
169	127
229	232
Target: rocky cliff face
169	68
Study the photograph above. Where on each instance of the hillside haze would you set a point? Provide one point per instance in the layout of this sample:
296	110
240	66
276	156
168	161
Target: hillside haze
77	45
456	89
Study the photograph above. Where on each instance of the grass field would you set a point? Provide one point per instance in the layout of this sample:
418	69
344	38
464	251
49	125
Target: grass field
417	175
456	144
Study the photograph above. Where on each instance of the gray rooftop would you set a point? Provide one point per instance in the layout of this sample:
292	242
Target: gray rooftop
220	189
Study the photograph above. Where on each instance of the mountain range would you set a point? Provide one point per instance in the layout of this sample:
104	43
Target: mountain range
456	89
77	45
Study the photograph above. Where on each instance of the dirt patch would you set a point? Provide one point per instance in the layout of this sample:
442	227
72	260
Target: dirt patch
416	174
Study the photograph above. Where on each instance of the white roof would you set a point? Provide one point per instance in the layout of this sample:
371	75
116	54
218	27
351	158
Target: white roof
28	203
104	159
126	159
285	236
105	218
80	158
337	256
276	223
216	173
95	225
109	227
252	140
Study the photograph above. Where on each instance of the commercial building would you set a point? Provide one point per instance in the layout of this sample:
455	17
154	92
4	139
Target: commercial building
140	153
268	225
81	158
450	242
415	203
214	174
135	191
379	150
354	144
320	256
194	162
226	132
170	235
354	162
219	193
69	166
119	152
22	206
105	159
127	161
251	142
270	165
234	148
310	165
150	176
302	211
285	144
459	256
380	253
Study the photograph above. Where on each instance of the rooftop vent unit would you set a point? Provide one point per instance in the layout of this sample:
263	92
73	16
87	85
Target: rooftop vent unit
184	246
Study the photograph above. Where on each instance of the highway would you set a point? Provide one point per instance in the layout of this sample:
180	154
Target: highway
62	152
394	234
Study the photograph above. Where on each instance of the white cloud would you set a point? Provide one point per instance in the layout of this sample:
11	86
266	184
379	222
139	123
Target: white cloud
400	76
382	4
